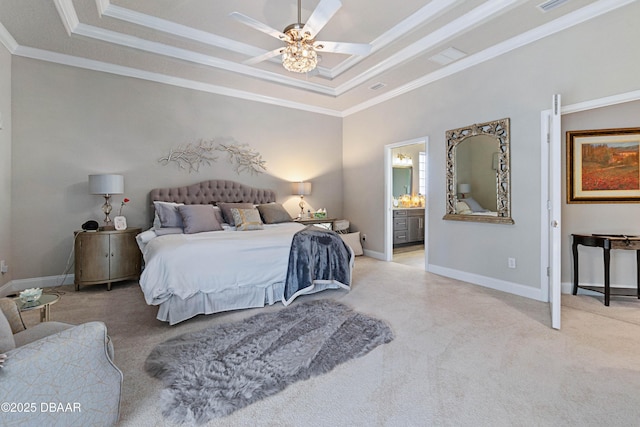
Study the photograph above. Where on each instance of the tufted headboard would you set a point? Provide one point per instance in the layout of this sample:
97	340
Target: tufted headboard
212	192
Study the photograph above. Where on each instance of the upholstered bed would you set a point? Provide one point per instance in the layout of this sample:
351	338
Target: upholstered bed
220	245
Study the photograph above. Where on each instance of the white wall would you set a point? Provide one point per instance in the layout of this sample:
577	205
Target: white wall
608	218
69	123
5	162
581	63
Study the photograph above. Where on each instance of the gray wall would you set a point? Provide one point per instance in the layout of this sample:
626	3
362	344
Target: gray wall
581	63
5	162
599	217
69	123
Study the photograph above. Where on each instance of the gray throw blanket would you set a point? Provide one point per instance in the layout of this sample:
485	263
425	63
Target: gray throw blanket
317	255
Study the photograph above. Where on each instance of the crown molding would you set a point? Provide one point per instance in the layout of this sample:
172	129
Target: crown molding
178	30
68	15
195	57
7	39
478	15
88	64
601	102
69	18
420	17
567	21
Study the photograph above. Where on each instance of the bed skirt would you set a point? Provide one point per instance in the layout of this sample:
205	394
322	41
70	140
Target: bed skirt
176	310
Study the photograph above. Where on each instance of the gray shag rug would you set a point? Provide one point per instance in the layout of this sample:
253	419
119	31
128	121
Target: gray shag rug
211	373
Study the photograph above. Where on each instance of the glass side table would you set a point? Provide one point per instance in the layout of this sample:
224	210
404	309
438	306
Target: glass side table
43	303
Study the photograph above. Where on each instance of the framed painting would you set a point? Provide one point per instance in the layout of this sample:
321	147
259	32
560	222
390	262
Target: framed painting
603	166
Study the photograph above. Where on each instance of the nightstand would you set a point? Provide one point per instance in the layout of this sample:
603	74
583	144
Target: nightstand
106	257
320	222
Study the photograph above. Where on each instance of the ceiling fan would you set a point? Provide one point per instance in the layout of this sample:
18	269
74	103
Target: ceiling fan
300	53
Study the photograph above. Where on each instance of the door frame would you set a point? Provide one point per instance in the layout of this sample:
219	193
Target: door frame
388	191
549	193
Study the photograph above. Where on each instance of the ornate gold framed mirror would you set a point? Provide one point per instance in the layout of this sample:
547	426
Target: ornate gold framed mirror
478	173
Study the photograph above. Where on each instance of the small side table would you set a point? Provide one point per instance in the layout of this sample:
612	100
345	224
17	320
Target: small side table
43	303
606	242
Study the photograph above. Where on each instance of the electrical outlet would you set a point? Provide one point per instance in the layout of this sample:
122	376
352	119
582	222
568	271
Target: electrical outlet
3	267
364	237
511	262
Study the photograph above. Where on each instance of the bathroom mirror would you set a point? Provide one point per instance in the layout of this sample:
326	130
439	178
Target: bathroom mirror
402	179
478	173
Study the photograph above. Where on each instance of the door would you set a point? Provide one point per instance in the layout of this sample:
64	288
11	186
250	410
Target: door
92	257
554	209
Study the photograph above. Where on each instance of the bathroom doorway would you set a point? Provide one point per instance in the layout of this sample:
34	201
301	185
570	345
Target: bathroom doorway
406	201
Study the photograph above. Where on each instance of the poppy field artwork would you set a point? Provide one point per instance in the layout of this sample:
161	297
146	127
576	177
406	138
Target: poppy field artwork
603	166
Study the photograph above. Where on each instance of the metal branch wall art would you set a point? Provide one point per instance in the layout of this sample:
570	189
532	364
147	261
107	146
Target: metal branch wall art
193	155
244	158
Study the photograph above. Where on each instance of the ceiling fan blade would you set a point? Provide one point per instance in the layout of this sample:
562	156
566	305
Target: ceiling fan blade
264	56
259	26
340	47
321	15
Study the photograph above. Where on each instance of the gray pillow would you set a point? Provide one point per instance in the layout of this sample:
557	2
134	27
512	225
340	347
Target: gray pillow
168	214
274	213
226	210
199	218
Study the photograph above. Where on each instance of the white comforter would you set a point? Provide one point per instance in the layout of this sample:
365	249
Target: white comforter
185	264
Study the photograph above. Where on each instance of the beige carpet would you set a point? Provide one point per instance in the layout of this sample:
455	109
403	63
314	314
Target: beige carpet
463	356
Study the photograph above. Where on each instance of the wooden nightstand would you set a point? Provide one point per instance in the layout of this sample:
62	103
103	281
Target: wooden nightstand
106	257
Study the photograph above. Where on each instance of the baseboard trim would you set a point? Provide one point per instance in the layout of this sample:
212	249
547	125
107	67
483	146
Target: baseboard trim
36	282
374	254
488	282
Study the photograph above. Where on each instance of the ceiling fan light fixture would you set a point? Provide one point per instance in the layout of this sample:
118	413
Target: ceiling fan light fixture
299	55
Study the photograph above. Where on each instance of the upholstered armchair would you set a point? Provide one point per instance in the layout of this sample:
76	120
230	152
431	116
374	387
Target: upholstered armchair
56	373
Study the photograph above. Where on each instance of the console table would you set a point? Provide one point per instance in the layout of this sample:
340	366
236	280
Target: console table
606	242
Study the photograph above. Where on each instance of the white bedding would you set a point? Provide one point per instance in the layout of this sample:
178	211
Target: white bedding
189	274
184	264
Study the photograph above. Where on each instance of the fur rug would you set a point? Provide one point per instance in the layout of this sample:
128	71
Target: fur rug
211	373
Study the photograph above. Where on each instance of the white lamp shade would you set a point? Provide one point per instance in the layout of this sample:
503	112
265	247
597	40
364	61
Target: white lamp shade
464	188
301	188
106	184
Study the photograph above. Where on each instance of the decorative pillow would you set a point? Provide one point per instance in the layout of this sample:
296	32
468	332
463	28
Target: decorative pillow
473	205
6	335
226	210
246	219
274	213
168	214
353	240
218	213
199	218
463	208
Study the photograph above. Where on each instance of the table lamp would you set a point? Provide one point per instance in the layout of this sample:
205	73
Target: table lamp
301	189
464	189
106	185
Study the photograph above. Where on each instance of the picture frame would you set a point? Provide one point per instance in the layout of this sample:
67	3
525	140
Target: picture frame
120	223
603	166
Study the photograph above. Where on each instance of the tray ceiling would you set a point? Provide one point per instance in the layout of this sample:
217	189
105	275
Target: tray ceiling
195	44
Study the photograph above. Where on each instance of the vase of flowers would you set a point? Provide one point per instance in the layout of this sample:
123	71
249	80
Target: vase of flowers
120	222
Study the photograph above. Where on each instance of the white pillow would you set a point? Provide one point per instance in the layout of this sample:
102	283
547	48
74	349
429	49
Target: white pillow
353	240
463	208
